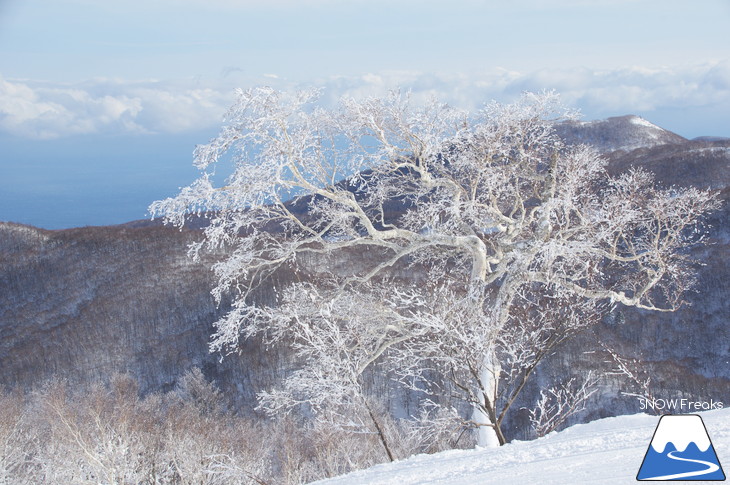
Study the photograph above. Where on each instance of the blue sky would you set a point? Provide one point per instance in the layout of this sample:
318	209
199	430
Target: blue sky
101	103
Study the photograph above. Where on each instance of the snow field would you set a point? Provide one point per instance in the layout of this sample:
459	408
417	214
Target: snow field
606	451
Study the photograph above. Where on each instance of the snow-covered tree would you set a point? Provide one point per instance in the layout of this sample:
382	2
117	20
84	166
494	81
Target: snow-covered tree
514	242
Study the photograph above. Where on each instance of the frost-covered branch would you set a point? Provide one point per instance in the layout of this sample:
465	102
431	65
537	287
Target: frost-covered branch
632	370
426	240
557	404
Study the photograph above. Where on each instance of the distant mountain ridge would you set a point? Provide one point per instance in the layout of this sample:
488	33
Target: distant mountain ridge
624	133
711	138
84	303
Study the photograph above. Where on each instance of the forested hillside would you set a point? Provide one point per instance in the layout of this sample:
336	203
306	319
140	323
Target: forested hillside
83	304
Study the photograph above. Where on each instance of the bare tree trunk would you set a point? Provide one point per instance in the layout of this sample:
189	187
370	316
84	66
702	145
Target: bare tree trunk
489	434
379	429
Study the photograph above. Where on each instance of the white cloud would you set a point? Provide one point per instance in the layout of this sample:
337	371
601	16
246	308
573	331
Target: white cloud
604	92
49	112
41	110
634	89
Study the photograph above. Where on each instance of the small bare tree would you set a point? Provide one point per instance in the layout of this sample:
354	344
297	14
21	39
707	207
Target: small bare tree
557	404
635	373
520	241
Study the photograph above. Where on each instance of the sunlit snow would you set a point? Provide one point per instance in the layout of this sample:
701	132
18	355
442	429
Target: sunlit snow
637	120
607	451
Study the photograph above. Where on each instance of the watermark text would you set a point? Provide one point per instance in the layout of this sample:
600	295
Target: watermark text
678	404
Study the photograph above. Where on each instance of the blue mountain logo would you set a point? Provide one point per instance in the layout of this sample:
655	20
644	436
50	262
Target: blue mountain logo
681	450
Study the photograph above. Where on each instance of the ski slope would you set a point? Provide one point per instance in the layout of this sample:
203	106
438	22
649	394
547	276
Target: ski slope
606	451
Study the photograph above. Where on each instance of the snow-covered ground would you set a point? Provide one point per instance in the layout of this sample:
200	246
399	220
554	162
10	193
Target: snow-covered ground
606	451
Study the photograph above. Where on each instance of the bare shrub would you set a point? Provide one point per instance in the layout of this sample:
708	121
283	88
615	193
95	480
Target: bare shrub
108	434
558	403
17	441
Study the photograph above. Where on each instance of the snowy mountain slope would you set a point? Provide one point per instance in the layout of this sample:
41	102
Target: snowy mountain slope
623	133
606	451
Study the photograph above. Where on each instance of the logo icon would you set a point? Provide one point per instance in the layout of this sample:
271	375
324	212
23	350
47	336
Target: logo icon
681	450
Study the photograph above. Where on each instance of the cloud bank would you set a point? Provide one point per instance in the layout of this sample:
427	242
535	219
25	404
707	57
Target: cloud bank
41	110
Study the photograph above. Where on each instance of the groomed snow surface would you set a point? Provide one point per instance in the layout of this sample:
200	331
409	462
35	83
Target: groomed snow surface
606	451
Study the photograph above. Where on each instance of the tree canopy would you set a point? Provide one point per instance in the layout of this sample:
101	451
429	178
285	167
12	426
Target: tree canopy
520	240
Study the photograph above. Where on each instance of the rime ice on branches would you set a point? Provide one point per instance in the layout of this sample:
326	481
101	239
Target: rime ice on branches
522	240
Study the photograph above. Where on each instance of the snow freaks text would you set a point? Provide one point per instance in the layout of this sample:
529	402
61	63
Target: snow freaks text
681	405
